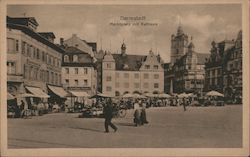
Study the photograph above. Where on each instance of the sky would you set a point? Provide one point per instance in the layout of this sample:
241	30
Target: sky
204	22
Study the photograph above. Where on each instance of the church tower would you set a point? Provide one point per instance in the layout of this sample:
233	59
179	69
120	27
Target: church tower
179	45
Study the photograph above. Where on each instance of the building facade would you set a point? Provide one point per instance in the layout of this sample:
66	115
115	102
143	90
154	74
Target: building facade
33	60
78	71
224	69
185	72
123	73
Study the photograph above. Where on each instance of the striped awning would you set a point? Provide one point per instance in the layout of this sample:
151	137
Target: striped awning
37	92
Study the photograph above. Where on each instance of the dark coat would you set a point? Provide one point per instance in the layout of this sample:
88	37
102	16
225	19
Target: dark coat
108	111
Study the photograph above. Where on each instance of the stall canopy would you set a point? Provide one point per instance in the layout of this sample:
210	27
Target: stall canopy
58	91
214	93
37	92
79	93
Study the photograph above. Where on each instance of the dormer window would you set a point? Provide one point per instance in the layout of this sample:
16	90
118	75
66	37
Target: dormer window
156	66
75	58
66	58
147	66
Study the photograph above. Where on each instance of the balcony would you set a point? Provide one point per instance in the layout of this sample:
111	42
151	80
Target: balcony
14	78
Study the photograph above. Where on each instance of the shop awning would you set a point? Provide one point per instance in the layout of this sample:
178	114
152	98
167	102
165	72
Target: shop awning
79	93
37	92
58	91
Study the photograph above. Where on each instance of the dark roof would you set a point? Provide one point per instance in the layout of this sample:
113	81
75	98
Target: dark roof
22	20
35	35
74	50
64	64
47	34
133	62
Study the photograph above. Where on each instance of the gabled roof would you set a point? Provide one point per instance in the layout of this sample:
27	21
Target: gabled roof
128	62
74	50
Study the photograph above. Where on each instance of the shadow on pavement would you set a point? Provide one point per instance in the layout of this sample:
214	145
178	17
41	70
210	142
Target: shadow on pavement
125	124
88	129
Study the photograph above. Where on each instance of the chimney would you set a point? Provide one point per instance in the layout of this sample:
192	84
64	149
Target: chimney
61	41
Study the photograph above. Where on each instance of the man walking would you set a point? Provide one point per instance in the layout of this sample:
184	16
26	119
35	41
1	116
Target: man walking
108	115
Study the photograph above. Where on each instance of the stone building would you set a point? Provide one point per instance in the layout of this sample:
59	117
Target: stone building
224	69
124	73
185	72
79	71
33	60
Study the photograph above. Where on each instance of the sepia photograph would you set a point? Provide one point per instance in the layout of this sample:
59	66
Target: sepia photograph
93	77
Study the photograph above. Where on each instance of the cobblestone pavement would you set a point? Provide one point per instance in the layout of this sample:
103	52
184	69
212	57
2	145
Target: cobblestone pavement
169	127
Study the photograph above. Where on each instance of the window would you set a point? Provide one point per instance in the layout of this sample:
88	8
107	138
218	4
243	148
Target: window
156	76
52	77
67	82
117	85
34	52
156	85
108	78
147	66
76	82
43	56
23	46
126	85
137	85
11	68
59	79
85	70
108	89
17	45
76	70
37	54
56	78
136	75
75	58
67	70
10	45
126	75
47	76
85	82
146	76
156	67
145	85
29	50
108	65
66	58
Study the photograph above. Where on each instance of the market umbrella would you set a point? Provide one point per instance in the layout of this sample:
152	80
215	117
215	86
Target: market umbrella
163	95
136	95
183	95
128	95
214	93
150	95
10	96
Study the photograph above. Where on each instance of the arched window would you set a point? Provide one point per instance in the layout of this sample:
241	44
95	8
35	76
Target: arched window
75	58
125	92
66	58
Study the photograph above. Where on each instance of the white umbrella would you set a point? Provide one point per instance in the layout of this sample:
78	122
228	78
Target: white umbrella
163	95
128	95
150	95
214	93
138	96
183	95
